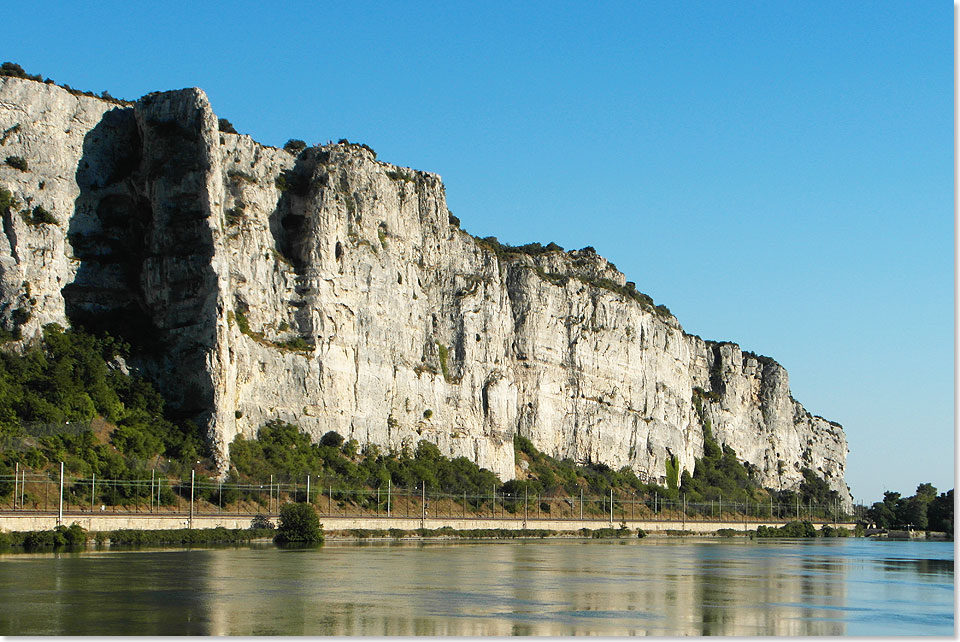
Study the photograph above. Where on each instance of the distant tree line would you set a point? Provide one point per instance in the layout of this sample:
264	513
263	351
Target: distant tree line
925	510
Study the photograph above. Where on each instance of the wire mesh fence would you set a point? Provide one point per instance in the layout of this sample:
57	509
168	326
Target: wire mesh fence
39	492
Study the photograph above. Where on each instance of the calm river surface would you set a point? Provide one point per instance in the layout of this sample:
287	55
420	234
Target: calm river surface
664	587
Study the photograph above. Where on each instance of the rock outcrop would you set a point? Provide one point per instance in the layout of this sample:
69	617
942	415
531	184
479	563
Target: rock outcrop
335	291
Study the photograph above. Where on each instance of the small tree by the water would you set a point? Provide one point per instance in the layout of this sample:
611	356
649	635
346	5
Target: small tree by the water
299	523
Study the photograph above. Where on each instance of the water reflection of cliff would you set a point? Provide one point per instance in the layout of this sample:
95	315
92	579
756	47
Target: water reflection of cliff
650	587
546	588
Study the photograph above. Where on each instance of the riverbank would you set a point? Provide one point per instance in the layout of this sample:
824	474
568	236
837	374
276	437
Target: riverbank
159	521
76	538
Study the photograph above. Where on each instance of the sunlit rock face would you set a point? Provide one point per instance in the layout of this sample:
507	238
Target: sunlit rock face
335	291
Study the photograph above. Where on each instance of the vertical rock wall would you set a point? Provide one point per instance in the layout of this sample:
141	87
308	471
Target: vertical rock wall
332	290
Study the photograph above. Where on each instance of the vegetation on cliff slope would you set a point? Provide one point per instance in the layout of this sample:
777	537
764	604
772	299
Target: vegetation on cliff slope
67	398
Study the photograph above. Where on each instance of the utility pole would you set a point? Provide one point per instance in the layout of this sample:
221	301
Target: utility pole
308	488
60	512
611	505
193	473
524	506
581	504
16	480
93	490
389	484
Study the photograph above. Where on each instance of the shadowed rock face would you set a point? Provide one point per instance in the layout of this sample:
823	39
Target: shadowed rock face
331	290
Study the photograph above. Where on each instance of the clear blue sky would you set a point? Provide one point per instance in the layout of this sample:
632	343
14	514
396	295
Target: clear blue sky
779	174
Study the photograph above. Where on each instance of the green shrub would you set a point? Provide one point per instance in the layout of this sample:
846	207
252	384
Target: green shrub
290	181
43	539
298	344
16	71
74	535
17	162
332	439
6	200
444	353
234	215
226	126
261	521
242	322
299	523
790	529
40	216
238	177
294	146
641	533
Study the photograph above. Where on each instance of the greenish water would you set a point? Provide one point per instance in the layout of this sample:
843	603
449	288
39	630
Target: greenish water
663	587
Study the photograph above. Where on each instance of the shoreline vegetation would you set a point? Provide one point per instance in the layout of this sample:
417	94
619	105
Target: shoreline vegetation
299	525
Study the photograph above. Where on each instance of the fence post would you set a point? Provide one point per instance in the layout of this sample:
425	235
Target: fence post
60	511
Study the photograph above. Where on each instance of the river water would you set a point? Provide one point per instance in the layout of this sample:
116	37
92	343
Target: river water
663	587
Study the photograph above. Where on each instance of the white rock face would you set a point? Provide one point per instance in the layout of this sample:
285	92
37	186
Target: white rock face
348	301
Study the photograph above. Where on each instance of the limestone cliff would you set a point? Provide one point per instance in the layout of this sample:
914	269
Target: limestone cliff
335	291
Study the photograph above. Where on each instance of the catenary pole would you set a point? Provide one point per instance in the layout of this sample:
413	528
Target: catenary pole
192	480
60	511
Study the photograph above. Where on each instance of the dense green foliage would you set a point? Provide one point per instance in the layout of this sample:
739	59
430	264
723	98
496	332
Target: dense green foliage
17	162
719	474
294	146
216	535
791	529
50	394
299	523
549	476
6	200
923	511
286	452
58	537
40	216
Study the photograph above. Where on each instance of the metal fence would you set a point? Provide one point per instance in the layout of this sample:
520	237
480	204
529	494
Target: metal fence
36	492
